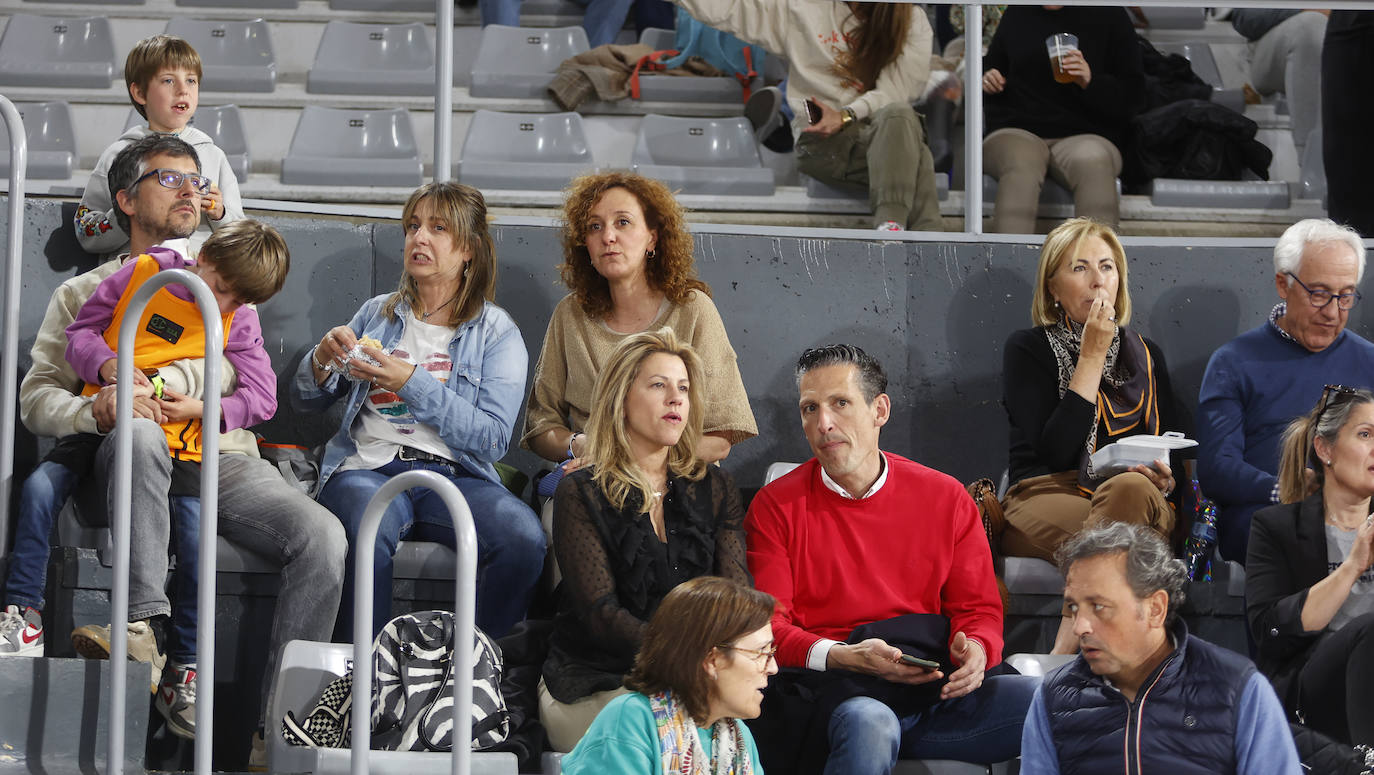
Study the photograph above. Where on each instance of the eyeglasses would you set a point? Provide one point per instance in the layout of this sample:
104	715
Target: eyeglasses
760	657
1322	297
1334	395
173	179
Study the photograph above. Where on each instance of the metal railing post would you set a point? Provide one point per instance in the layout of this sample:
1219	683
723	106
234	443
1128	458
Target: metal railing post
209	504
9	367
464	612
443	91
973	118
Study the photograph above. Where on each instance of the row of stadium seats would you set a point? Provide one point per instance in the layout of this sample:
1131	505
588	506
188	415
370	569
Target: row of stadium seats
380	59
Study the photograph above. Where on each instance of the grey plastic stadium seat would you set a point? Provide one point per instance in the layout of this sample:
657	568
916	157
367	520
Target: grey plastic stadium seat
235	56
409	6
818	190
658	38
343	147
99	2
1031	576
238	3
524	150
391	59
1175	18
58	52
306	668
224	125
702	155
51	141
520	61
1038	664
1244	194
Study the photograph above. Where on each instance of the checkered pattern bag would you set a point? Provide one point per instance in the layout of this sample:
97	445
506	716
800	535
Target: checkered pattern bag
328	724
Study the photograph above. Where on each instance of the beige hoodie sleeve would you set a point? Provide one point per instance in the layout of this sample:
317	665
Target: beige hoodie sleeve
905	79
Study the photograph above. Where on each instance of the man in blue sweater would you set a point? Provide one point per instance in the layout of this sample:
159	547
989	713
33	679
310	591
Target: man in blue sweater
1260	381
1143	695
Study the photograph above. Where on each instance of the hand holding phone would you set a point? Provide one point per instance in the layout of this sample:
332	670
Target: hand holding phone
813	111
928	664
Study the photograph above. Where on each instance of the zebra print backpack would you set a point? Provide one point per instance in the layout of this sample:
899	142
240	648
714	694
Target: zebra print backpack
412	686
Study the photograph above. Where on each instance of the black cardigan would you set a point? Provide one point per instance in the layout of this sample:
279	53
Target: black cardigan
1048	432
1287	555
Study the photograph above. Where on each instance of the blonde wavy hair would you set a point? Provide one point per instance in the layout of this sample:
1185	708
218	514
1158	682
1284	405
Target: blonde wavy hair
609	452
1060	245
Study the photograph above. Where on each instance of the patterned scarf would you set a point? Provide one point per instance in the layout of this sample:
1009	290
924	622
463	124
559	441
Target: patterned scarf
1126	400
680	745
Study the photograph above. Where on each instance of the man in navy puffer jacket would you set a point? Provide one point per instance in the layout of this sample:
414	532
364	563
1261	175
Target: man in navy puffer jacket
1143	695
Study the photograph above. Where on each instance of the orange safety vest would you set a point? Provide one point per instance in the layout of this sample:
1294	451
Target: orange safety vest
170	329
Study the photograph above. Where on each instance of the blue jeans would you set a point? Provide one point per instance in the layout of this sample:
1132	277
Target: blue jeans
44	493
867	738
510	542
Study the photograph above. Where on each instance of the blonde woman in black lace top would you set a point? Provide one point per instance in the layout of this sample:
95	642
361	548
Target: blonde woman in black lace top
644	516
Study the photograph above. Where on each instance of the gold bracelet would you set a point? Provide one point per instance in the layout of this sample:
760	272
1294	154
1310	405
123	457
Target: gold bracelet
847	117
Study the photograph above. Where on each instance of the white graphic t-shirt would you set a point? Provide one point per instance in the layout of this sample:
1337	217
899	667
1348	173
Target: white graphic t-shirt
385	423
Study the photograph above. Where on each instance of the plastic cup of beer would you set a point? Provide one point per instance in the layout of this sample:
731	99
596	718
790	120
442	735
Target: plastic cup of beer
1058	45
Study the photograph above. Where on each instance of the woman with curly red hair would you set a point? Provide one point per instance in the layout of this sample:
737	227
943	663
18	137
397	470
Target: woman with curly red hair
627	260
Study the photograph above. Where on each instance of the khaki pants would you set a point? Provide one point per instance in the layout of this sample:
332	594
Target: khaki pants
1044	511
887	153
566	723
1087	165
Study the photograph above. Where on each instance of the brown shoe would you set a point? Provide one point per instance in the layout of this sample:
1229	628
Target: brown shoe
92	641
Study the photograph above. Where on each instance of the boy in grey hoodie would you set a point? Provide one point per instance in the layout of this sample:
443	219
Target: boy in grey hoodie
163	75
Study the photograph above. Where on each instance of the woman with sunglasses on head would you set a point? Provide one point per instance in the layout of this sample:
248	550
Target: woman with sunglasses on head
708	652
1309	587
644	515
1076	382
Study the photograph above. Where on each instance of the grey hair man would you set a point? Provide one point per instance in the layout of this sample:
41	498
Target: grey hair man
1208	711
1258	382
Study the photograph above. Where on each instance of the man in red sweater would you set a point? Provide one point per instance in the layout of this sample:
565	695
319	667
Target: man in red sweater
857	536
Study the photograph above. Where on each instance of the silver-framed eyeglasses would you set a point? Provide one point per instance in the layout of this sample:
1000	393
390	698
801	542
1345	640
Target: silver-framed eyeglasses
1322	297
174	179
760	657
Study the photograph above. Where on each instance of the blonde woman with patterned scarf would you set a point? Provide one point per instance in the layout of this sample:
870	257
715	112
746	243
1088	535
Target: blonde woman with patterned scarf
706	659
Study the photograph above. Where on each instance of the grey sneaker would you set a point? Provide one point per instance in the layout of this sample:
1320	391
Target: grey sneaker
21	632
176	700
92	641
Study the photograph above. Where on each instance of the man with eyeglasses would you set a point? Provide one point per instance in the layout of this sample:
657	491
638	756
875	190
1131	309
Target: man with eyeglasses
888	623
1258	382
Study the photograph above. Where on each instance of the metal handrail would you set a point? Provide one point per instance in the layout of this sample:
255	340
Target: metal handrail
443	91
209	515
464	613
9	367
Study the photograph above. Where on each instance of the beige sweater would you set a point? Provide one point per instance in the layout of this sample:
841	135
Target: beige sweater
576	347
50	400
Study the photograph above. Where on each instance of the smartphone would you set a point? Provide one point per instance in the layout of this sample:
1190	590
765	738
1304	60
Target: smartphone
813	111
929	664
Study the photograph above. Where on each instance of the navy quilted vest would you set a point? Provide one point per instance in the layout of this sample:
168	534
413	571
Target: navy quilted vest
1182	722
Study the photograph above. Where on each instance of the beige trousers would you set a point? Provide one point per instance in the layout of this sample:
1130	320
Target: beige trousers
566	723
1044	511
1087	165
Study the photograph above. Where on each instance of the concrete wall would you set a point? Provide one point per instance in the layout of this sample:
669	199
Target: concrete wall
935	313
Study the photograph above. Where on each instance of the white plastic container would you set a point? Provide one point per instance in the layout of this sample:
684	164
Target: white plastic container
1136	451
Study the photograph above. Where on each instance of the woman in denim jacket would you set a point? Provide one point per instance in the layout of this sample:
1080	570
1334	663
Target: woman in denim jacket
433	375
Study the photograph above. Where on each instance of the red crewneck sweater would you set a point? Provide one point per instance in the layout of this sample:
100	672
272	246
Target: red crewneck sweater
915	546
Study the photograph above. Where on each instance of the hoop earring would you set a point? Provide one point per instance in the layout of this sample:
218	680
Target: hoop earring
650	254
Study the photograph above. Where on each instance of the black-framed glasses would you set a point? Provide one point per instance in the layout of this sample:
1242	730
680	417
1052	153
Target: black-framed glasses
761	657
174	179
1334	395
1322	297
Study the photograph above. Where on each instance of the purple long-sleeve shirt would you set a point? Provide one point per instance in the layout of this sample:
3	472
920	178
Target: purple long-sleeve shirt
254	400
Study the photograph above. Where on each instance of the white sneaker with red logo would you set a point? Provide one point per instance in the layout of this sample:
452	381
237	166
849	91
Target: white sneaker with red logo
176	700
21	632
889	226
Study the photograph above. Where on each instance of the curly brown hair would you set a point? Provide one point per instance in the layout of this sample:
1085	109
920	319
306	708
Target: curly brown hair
672	270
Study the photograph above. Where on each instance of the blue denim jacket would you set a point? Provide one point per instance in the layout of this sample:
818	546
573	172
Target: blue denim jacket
474	412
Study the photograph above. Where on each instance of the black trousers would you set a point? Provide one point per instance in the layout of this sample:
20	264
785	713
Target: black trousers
1336	686
1347	115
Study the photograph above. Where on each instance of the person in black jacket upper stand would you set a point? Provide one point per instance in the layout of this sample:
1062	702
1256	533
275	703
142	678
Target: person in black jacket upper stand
1072	131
